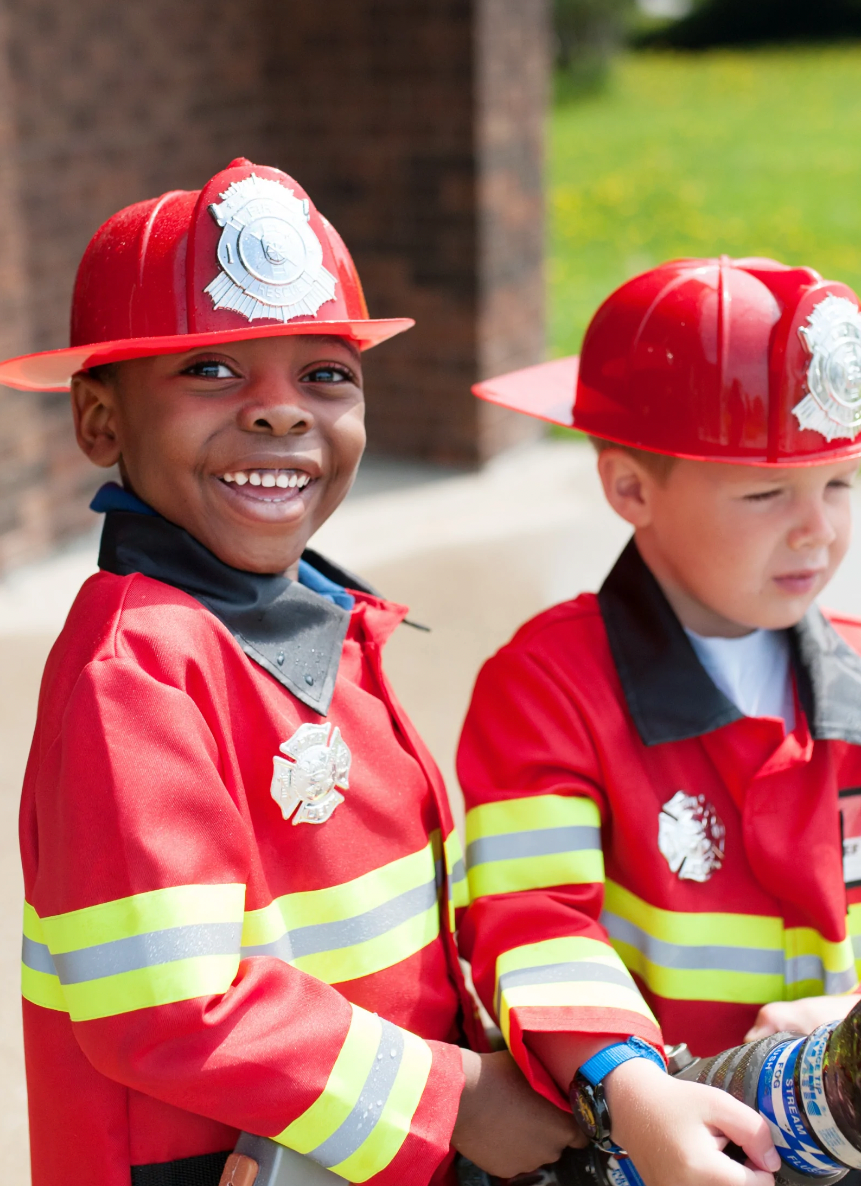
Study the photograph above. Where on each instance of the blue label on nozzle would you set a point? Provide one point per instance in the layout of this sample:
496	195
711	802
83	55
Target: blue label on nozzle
778	1103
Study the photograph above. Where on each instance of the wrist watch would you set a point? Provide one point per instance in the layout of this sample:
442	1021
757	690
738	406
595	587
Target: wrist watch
587	1097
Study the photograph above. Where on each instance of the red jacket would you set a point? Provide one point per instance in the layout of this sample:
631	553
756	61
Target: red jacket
581	733
194	963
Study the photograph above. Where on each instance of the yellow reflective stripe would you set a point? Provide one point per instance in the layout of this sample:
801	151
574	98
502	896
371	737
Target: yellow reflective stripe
373	955
164	984
568	972
555	951
533	842
527	873
733	930
336	903
529	813
853	930
342	1089
139	914
41	988
32	925
388	1135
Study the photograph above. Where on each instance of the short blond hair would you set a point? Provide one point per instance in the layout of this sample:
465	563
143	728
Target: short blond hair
658	464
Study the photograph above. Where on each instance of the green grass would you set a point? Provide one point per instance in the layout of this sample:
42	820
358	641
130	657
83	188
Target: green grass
747	153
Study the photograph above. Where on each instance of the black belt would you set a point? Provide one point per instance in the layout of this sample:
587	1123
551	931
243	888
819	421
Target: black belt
205	1170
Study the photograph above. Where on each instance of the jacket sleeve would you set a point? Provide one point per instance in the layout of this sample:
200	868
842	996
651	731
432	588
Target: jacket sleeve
134	927
540	957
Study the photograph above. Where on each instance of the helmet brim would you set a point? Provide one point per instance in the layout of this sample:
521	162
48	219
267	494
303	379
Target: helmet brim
52	370
546	390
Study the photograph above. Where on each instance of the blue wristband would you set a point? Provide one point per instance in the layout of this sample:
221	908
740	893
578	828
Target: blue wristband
598	1067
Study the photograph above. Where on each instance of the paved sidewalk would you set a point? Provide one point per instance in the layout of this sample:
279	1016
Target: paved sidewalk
473	555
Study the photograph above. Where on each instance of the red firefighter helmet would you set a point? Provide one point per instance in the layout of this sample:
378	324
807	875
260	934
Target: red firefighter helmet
744	360
248	256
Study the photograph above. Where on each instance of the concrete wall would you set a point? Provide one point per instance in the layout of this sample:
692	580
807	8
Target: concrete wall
417	127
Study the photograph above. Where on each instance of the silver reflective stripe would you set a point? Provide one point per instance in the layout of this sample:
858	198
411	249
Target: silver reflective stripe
366	1113
760	961
561	974
810	967
37	956
457	873
540	843
856	946
346	932
148	951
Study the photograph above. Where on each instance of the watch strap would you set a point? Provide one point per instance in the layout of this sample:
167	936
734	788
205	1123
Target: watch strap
599	1065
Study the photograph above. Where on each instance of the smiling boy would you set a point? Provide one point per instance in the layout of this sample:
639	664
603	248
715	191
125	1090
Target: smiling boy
663	780
240	867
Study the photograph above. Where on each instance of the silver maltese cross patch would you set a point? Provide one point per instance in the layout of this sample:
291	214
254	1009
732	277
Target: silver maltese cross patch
832	338
270	257
317	770
692	838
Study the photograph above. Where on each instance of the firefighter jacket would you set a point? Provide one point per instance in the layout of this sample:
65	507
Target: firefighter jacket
595	742
240	874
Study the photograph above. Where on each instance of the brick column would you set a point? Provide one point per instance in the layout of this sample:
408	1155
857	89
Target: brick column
419	129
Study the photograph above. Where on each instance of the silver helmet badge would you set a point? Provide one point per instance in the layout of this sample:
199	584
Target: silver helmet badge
312	779
832	338
692	838
270	258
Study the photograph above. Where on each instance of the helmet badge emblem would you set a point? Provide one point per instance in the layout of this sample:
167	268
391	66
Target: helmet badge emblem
312	779
832	338
270	258
692	838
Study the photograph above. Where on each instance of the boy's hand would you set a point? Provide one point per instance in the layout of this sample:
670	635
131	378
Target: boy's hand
802	1016
675	1131
503	1125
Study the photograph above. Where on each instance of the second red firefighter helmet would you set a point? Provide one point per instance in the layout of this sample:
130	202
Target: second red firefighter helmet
248	256
737	360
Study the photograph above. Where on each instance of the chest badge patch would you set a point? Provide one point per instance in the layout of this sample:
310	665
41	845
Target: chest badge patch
311	775
692	838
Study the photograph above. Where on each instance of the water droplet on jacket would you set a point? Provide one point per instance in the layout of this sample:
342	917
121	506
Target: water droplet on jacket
280	658
309	680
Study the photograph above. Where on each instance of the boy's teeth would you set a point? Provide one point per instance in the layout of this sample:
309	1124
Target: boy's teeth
268	478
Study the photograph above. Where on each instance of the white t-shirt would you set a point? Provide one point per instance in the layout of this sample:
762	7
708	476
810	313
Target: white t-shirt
755	672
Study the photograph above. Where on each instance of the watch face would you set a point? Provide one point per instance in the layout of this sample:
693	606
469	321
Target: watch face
584	1108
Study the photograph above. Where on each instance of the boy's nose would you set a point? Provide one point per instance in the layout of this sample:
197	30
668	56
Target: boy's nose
814	528
276	408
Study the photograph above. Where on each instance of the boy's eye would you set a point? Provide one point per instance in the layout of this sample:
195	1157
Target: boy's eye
210	368
763	496
328	373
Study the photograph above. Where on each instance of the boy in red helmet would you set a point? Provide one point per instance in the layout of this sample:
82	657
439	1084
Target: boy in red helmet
662	780
240	866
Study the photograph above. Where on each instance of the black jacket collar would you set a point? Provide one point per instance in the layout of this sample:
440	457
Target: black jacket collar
293	633
669	693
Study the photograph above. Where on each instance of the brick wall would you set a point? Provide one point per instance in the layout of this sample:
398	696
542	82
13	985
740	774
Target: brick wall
416	126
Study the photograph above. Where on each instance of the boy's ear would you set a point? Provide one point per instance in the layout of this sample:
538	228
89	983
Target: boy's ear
627	484
94	410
